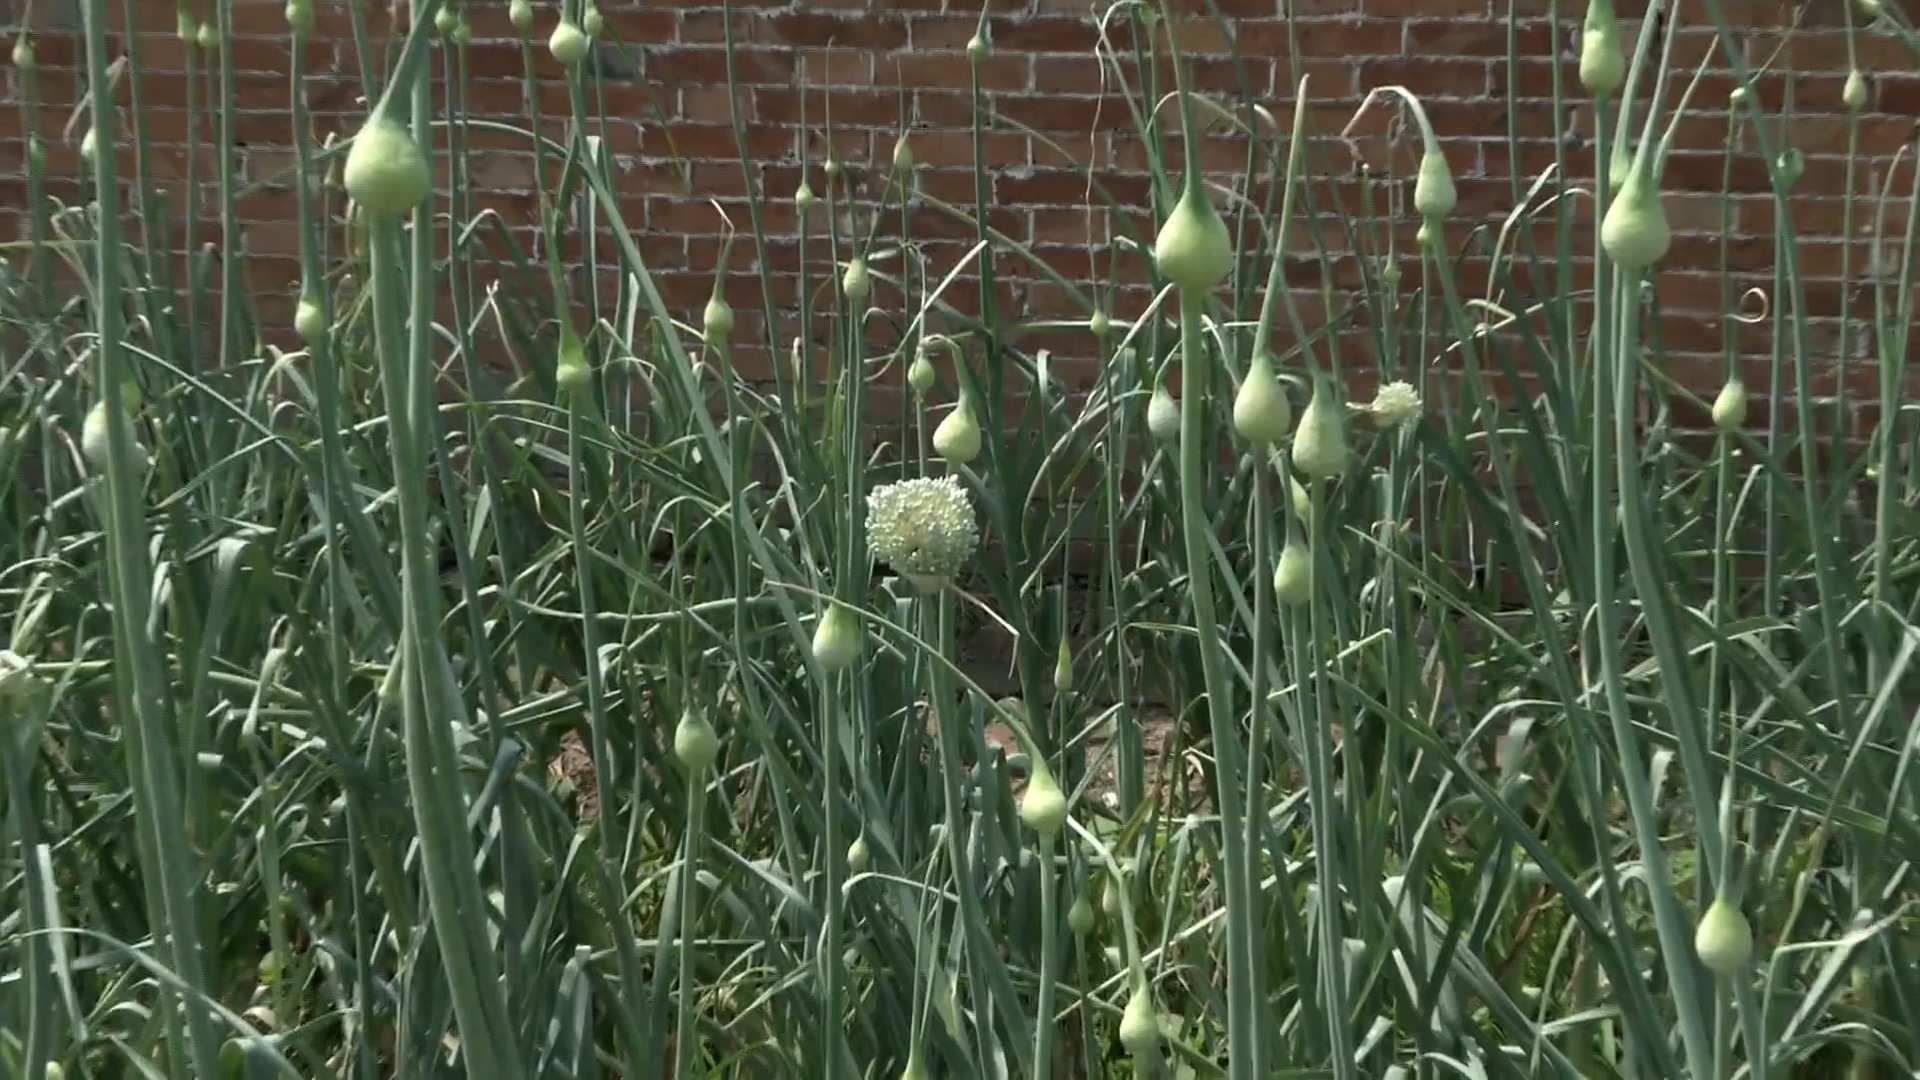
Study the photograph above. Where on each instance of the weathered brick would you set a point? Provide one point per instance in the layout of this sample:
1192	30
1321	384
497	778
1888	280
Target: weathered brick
879	65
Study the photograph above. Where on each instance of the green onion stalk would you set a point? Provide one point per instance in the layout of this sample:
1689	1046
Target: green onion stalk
696	746
387	174
1633	234
139	668
1195	253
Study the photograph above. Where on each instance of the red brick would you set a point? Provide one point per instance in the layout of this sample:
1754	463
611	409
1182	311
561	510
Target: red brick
815	28
1044	34
671	131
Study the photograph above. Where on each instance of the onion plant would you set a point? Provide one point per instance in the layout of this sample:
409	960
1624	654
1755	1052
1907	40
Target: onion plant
1376	654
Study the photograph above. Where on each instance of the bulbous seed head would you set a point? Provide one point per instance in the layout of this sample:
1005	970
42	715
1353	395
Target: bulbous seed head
1261	413
1434	195
386	171
837	639
923	527
855	282
96	441
1724	939
1790	165
1163	415
1395	404
309	321
1320	445
1080	916
957	439
567	43
1602	67
920	373
1043	806
695	743
717	320
1635	233
1293	576
1140	1024
573	376
18	683
1193	249
1730	406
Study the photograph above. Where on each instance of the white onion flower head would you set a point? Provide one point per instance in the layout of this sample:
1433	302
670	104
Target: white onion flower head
923	527
18	683
1396	404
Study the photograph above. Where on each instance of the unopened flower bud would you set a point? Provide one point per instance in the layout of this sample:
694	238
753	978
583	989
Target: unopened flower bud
920	373
695	743
837	638
855	282
1140	1024
1293	576
717	320
1043	806
1320	445
958	437
1163	415
1261	412
1434	195
1730	406
1724	939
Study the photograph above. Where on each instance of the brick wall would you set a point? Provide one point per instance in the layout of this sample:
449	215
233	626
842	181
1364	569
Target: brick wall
667	104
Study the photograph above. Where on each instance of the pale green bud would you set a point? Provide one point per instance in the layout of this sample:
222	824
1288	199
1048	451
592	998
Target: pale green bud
1043	806
695	743
1724	939
958	437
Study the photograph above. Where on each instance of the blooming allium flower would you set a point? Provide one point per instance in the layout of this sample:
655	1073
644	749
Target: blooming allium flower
17	680
1396	404
923	527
